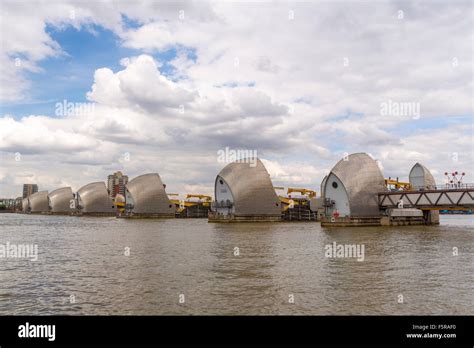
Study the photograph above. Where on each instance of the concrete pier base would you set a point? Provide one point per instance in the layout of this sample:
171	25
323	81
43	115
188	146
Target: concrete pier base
402	221
146	216
194	212
61	213
350	221
96	214
392	217
431	217
404	217
253	218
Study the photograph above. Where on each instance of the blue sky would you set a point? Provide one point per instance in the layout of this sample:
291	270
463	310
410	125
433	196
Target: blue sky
71	75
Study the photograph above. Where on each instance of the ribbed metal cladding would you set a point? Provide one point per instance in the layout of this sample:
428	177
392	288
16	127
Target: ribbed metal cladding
149	195
323	185
252	189
60	200
428	178
95	198
362	180
39	202
429	182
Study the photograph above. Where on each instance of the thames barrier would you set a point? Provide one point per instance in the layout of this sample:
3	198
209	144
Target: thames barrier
354	193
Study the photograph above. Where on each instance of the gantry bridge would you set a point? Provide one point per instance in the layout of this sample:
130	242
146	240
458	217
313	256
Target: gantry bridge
445	197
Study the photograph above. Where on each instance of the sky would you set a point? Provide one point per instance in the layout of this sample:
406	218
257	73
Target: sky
163	86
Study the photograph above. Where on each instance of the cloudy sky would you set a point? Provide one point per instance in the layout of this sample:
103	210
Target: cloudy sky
162	86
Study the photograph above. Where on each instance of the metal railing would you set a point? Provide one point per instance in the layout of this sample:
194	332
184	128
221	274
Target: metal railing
458	186
430	197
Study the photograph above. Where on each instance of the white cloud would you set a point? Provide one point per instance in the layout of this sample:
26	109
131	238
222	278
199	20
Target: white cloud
139	85
294	174
260	81
40	134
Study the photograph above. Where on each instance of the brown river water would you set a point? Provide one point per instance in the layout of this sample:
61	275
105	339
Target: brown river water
109	266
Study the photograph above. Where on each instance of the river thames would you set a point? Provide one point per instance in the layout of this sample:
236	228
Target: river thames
109	266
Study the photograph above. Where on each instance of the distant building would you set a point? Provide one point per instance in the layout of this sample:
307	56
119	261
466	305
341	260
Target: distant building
29	189
116	184
7	203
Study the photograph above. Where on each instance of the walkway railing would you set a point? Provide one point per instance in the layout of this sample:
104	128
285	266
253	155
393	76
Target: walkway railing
431	197
458	186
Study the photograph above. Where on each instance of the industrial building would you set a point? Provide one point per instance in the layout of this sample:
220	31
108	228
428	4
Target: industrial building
145	196
38	202
94	199
244	192
62	201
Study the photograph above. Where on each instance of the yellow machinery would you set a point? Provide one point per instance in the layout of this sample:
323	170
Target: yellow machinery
176	202
405	186
120	206
183	204
289	202
206	199
304	192
119	202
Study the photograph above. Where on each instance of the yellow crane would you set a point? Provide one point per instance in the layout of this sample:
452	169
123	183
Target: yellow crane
201	197
289	202
205	200
398	184
183	204
303	191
